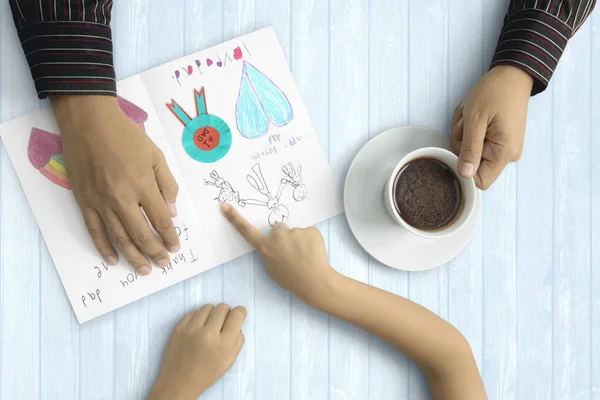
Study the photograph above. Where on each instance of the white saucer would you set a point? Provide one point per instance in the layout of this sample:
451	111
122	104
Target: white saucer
386	241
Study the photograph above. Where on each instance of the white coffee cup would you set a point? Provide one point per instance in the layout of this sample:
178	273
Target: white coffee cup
468	188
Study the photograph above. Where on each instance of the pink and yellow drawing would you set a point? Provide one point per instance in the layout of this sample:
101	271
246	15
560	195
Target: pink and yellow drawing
45	148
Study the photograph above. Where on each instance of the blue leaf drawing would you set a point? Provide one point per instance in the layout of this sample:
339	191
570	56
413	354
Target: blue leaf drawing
249	115
260	101
275	104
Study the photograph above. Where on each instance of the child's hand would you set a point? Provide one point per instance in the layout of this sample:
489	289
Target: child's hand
202	347
296	259
488	128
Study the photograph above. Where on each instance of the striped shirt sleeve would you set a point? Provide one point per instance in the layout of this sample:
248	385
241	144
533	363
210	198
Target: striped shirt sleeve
535	34
67	44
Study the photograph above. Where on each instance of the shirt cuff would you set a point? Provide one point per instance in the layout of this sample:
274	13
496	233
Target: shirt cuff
534	41
69	57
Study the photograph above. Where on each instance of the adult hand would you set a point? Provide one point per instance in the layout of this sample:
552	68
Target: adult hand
115	170
202	348
295	258
488	128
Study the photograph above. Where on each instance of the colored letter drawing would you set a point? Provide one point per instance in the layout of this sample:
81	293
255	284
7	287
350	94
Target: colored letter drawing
279	212
260	102
206	138
45	148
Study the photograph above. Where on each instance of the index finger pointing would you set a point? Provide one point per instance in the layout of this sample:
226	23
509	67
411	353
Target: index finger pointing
245	228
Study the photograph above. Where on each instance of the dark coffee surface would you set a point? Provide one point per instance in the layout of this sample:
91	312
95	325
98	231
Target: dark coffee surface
427	194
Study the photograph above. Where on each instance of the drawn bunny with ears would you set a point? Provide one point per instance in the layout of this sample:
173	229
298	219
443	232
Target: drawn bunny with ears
293	177
227	193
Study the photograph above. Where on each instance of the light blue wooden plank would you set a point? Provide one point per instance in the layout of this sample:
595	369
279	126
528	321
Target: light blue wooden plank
595	201
131	47
388	108
59	337
204	28
535	291
572	99
428	106
239	275
97	354
465	66
499	366
19	236
273	306
166	307
310	328
348	71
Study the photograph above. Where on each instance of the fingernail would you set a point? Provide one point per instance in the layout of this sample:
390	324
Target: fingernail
172	209
144	270
225	207
111	260
467	170
173	249
162	262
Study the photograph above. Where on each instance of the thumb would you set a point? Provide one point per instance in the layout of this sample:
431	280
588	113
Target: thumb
474	130
166	183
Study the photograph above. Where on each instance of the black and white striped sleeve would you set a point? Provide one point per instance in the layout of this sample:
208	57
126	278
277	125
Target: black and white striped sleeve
535	35
67	44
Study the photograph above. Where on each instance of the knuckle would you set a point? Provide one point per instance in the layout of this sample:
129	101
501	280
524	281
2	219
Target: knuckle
95	233
122	241
163	225
475	115
141	238
470	148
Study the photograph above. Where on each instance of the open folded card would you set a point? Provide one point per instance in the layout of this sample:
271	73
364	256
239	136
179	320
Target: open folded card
233	128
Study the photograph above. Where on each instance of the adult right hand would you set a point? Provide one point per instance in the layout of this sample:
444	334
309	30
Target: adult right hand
115	170
295	258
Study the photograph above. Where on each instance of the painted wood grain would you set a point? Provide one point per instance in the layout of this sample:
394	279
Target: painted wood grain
309	63
595	206
526	291
388	108
348	72
499	366
572	342
20	277
535	289
465	65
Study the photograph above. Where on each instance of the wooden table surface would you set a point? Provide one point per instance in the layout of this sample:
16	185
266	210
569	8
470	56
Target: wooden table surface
525	293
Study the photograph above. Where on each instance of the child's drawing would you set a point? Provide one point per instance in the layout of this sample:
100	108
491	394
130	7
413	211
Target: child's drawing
206	138
45	148
260	102
279	212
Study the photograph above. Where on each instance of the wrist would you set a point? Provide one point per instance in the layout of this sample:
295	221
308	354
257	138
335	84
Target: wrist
330	289
516	77
163	389
74	111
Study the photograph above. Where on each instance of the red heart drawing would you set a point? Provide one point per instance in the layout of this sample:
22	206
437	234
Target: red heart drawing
209	62
237	53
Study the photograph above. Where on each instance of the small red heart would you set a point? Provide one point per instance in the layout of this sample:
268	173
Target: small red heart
190	70
237	53
209	62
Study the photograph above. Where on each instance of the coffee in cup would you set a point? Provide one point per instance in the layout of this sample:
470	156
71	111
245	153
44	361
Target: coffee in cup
426	195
